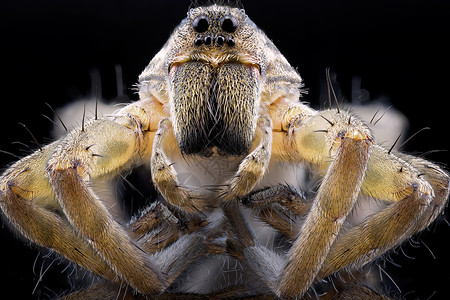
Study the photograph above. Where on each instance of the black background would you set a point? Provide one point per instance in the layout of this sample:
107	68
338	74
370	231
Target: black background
399	49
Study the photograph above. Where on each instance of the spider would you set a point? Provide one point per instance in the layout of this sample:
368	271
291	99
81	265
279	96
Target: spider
220	94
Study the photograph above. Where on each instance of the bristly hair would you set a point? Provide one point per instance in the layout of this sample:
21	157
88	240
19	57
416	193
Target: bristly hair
229	3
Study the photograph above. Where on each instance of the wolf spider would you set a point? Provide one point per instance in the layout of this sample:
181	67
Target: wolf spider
219	92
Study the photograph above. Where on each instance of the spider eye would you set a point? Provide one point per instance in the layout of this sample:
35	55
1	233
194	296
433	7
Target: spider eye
207	40
229	24
230	41
220	40
201	23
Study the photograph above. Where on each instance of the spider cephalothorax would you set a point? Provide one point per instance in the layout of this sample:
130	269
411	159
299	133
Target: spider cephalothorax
221	102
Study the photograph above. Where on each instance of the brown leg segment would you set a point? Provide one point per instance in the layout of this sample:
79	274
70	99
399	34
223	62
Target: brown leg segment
28	202
336	196
47	229
91	219
425	195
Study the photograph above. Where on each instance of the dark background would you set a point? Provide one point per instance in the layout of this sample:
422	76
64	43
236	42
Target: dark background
399	49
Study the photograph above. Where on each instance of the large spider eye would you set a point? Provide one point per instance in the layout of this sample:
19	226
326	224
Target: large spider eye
201	23
229	24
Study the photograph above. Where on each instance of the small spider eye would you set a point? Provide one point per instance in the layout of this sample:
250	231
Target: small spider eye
198	41
220	40
201	23
229	24
207	40
230	41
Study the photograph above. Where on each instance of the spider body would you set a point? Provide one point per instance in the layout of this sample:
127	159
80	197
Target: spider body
219	94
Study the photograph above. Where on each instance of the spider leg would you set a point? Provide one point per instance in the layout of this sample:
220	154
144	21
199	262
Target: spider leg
156	228
159	226
150	218
102	290
176	238
37	189
418	191
252	167
174	259
278	206
244	245
164	176
26	199
440	181
350	144
68	176
101	148
358	291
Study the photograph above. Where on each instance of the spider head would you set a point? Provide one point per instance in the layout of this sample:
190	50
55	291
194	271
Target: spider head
211	77
217	35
